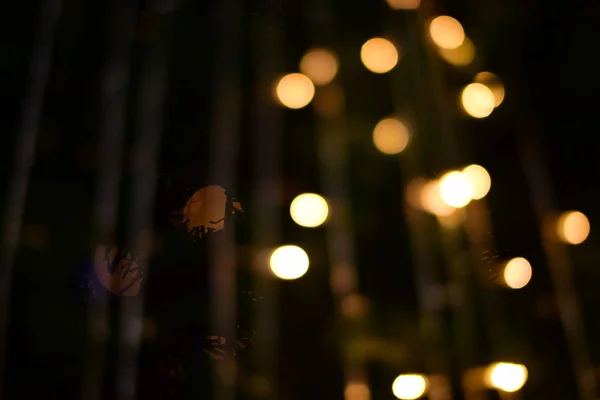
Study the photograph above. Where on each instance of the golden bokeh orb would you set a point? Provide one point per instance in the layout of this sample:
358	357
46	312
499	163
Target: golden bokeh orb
482	182
309	210
379	55
320	65
295	90
494	83
456	189
573	227
409	386
390	136
446	32
478	100
461	56
507	377
517	273
289	262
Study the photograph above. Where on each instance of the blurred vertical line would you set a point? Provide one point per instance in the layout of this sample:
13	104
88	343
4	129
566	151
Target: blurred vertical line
115	82
561	268
412	166
332	144
40	65
266	224
144	160
224	148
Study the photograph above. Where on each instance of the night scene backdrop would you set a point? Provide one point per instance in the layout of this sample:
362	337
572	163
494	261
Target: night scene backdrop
157	155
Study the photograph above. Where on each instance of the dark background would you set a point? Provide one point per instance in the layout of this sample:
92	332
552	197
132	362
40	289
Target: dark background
544	53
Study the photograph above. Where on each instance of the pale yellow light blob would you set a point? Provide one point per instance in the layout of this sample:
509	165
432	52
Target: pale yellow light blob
357	391
517	273
320	65
404	4
507	377
461	56
456	189
494	83
482	182
478	100
289	262
431	200
409	387
379	55
295	90
309	210
390	136
446	32
573	227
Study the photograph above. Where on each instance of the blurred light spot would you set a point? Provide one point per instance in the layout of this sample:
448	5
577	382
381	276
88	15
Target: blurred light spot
482	182
390	136
494	83
404	4
289	262
379	55
343	279
329	101
309	210
409	387
355	306
456	189
573	227
320	65
507	377
357	391
478	100
295	91
461	56
431	200
446	32
517	273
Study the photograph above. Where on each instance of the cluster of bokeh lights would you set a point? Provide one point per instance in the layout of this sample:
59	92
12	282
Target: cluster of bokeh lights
441	197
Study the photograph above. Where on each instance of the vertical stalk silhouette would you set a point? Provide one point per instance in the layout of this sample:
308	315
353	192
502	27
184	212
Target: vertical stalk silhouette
40	65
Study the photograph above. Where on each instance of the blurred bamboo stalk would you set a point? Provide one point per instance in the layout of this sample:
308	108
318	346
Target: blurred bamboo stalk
561	269
115	83
143	166
224	147
40	65
266	224
413	166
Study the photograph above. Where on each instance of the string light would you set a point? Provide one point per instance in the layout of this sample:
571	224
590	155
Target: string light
289	262
446	32
478	100
295	91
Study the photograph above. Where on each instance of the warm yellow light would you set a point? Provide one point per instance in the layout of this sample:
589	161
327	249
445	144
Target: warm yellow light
507	377
461	56
379	55
573	227
357	391
404	4
309	210
446	32
494	83
320	65
517	273
482	182
390	136
478	100
409	387
295	90
456	189
431	200
289	262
